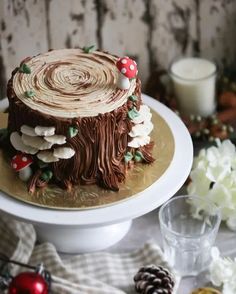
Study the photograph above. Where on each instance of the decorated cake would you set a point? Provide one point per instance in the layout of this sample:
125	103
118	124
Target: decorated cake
76	117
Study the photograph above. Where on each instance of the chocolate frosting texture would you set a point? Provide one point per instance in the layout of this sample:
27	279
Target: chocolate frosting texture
71	83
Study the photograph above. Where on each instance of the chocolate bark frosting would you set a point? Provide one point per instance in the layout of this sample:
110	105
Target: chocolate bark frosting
76	90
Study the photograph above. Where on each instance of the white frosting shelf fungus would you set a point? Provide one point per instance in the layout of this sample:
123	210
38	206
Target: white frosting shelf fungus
37	131
142	128
27	130
56	154
40	140
144	115
19	145
64	152
36	142
47	156
56	139
44	131
139	141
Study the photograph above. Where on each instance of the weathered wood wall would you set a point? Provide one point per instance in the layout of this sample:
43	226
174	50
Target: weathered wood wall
152	31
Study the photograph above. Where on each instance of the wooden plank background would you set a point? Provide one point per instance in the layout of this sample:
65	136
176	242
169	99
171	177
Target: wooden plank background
152	31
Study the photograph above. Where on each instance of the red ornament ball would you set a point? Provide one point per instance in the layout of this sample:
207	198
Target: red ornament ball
28	283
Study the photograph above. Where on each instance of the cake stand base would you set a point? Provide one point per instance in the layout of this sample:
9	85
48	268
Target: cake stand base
86	230
82	240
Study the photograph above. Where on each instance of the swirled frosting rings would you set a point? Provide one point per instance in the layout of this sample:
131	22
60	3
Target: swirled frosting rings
71	83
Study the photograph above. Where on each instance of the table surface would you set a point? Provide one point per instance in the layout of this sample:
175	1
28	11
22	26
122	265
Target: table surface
147	227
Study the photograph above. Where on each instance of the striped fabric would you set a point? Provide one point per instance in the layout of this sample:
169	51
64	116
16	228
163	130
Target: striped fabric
93	273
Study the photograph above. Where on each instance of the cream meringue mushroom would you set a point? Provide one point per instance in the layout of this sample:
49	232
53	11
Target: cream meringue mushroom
21	163
128	70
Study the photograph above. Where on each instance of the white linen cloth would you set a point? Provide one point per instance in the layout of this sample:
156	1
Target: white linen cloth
92	273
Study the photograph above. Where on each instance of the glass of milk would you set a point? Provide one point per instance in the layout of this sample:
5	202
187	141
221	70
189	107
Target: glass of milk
194	81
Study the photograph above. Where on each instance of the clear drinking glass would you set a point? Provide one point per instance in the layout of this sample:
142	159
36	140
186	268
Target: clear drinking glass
187	237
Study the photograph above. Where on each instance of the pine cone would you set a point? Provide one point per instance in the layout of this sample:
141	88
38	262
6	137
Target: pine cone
153	279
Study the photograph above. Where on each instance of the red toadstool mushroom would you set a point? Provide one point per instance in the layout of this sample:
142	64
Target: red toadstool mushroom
128	70
20	163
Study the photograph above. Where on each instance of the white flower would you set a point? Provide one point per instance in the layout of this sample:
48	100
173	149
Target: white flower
221	269
227	149
200	183
231	223
229	289
222	272
213	177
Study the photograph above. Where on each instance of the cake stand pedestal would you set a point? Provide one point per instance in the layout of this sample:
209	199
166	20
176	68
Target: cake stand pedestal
82	238
96	229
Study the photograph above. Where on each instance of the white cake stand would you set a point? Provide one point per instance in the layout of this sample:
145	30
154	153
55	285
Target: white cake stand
96	229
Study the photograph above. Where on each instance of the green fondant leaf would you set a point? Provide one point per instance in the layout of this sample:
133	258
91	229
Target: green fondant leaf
47	175
139	153
128	156
3	134
89	49
133	113
42	164
29	93
72	132
133	98
138	156
24	68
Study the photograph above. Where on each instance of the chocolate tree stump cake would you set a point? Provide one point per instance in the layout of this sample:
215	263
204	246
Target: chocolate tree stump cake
76	117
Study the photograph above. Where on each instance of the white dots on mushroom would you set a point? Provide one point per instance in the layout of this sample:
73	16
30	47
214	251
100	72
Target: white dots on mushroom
131	67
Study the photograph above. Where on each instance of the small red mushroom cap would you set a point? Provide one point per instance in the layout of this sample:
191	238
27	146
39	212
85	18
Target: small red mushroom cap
20	161
127	66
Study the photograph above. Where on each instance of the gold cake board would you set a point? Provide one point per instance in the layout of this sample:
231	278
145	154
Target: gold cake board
91	196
